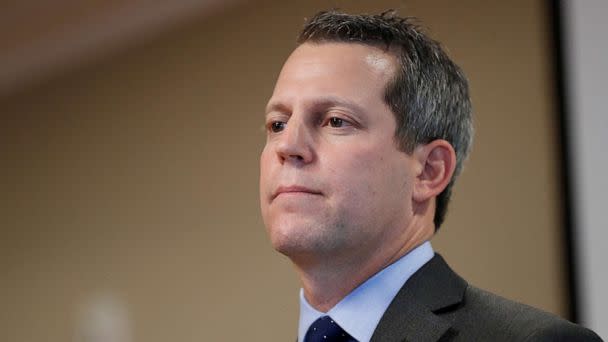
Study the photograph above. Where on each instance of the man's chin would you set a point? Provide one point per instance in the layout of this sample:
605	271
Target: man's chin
302	248
291	248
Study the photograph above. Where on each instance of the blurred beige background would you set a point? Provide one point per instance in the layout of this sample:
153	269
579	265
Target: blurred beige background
131	173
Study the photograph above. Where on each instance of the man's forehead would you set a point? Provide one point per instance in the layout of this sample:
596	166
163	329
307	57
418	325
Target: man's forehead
350	70
381	62
372	57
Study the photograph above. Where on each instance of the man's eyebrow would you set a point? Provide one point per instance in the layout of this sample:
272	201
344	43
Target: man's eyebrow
319	102
276	106
330	101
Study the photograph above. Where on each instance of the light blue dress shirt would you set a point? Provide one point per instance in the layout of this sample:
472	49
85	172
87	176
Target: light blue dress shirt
359	313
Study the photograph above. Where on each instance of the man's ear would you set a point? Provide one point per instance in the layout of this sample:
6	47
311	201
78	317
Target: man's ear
438	162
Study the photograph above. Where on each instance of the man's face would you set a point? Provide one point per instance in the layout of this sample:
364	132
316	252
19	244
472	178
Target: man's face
332	181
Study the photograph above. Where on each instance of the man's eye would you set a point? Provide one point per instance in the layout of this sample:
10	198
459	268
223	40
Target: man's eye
277	126
336	122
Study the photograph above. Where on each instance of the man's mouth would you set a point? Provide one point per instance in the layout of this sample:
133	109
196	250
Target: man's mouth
294	190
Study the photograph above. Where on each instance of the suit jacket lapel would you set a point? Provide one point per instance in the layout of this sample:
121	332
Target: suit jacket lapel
412	315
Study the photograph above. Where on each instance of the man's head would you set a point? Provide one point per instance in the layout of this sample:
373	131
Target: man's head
428	93
367	125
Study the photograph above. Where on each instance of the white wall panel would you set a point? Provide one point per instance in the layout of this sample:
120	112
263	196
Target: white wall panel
586	55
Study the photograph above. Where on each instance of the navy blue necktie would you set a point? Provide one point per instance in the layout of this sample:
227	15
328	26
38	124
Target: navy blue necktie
325	329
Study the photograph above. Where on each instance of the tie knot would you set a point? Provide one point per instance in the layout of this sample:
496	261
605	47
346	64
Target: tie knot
324	329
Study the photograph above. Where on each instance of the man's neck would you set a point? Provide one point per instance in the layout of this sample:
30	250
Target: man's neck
327	281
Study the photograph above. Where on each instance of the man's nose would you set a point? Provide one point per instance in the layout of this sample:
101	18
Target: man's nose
295	144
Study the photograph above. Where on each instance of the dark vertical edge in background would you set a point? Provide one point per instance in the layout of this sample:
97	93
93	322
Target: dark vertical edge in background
556	13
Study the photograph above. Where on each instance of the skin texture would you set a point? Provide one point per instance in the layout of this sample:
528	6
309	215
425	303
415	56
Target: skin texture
337	195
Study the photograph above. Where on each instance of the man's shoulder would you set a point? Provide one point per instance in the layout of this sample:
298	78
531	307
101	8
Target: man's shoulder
436	304
487	316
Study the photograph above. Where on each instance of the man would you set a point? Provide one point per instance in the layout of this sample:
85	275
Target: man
367	128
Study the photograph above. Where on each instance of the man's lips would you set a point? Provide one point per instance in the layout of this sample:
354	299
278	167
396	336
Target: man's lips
294	189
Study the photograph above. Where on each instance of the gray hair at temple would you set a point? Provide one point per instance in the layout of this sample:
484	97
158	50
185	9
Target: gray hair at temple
429	94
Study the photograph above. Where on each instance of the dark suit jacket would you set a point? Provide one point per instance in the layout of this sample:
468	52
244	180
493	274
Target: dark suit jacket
435	304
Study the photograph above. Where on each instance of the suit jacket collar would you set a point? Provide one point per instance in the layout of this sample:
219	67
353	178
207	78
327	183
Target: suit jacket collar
412	315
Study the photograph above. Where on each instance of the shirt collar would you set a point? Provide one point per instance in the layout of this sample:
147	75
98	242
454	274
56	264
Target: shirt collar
361	310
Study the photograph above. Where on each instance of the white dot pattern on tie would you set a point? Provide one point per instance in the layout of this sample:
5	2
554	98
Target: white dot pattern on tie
326	330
